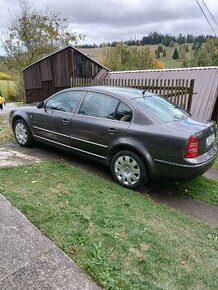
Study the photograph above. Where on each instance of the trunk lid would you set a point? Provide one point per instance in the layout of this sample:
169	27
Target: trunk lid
205	132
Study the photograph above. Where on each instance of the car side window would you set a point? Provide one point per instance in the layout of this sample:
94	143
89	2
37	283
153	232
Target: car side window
65	101
123	113
99	105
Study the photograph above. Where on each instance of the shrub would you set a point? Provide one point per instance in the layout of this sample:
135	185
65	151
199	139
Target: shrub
4	76
10	92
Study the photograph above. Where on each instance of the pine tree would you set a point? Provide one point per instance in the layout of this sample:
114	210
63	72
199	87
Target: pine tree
175	54
164	53
160	48
157	54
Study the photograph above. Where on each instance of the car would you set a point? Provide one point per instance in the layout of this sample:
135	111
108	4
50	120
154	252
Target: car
141	136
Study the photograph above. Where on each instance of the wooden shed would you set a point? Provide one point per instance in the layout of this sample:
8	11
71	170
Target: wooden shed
55	72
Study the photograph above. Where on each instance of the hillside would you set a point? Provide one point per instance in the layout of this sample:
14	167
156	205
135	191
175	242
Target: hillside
99	54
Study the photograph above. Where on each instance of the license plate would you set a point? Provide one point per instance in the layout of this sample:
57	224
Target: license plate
210	140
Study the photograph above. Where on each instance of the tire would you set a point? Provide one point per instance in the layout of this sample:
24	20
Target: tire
128	169
22	133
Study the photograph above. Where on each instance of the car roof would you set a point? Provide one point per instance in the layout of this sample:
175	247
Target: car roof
123	92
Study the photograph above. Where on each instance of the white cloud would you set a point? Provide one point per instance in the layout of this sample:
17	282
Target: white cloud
108	20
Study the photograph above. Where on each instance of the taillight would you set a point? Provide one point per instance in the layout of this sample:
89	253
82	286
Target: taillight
191	150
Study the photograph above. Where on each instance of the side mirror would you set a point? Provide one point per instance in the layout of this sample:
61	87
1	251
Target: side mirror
40	105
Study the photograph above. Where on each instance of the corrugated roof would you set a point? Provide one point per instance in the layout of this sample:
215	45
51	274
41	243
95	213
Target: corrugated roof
205	88
69	46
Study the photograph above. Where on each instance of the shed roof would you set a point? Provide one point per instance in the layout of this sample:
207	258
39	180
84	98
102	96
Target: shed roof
205	88
67	47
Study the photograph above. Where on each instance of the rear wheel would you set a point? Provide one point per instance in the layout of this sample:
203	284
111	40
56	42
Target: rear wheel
128	169
22	133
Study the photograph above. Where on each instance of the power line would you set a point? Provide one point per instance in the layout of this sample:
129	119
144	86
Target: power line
210	12
206	18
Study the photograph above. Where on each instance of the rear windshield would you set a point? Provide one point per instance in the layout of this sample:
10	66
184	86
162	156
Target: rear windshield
161	108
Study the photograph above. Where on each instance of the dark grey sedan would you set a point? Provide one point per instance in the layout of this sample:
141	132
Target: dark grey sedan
139	135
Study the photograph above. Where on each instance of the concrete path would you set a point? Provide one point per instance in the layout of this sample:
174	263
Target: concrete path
192	207
28	260
7	108
211	174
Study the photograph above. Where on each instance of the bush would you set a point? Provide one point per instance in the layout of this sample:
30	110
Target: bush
123	57
19	88
10	92
4	76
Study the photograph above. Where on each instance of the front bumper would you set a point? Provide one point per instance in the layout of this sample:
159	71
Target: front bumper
191	168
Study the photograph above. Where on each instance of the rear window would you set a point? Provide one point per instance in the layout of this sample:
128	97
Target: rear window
161	108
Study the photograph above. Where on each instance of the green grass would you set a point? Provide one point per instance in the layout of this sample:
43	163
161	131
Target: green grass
215	165
121	238
200	188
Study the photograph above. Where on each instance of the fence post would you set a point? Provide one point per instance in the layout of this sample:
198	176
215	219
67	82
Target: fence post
190	94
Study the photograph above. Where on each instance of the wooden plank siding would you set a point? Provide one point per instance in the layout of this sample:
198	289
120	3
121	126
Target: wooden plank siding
177	91
55	72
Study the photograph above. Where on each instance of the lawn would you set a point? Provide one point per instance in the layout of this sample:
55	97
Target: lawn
215	166
199	188
120	237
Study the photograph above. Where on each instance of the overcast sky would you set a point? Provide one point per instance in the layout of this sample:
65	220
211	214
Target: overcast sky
108	20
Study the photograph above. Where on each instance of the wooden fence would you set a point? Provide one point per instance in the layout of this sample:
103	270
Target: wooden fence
178	91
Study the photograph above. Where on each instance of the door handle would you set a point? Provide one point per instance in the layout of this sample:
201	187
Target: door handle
65	121
112	130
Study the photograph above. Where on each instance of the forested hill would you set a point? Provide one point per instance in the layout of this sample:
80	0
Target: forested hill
157	38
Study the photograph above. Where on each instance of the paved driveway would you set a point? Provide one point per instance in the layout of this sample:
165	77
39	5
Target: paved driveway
8	108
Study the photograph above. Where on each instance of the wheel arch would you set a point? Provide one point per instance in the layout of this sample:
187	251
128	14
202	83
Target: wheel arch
147	159
22	118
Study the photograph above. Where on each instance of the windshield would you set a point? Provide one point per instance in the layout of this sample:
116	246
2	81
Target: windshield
161	108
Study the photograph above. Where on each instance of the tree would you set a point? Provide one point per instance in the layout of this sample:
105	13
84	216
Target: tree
34	33
186	48
205	56
190	38
196	45
122	57
164	53
157	53
160	48
171	44
181	39
182	52
175	54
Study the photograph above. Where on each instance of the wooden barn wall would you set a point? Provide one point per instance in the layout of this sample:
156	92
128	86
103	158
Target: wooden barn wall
34	95
46	69
84	67
39	95
54	73
61	71
32	77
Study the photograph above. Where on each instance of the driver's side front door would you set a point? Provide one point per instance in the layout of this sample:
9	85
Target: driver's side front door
51	123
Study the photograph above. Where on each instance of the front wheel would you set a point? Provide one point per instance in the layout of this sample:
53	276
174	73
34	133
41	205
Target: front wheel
128	169
22	133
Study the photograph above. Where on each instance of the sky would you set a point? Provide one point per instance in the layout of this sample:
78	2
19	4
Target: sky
117	20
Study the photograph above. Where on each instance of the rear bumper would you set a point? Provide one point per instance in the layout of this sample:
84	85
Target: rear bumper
192	167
